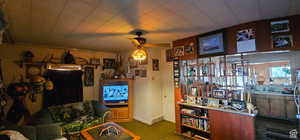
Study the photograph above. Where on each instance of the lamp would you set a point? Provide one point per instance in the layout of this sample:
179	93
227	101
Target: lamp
139	54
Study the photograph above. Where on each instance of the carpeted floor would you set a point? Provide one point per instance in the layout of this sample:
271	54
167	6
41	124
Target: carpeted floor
162	130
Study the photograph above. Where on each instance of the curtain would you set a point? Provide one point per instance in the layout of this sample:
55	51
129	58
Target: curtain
67	88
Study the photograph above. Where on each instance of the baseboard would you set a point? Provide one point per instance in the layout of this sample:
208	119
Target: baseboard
143	120
157	119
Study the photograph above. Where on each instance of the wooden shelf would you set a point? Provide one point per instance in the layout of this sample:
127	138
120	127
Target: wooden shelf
195	128
194	138
191	115
111	104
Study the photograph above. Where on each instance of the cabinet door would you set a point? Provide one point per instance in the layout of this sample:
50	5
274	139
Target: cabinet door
291	109
262	104
277	107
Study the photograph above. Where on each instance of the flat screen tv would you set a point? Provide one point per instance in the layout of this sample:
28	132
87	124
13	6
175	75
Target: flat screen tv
115	93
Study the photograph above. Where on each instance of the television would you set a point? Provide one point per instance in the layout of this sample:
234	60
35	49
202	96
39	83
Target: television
115	93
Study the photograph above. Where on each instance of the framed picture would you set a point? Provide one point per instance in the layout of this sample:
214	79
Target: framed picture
89	76
194	91
95	61
211	43
191	100
33	70
136	73
155	64
189	49
143	73
211	102
109	63
282	41
280	26
178	51
219	93
169	55
246	40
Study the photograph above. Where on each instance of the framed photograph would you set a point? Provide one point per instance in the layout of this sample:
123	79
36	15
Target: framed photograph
155	64
280	26
282	41
136	73
194	91
169	55
189	49
178	51
211	43
33	70
211	102
143	73
246	40
95	61
219	93
109	63
191	100
89	76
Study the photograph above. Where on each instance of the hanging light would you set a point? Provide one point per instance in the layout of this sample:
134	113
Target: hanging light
139	54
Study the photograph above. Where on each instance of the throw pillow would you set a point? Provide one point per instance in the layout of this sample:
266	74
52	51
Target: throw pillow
13	135
55	112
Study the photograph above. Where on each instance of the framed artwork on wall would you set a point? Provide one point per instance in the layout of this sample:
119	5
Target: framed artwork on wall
178	51
280	26
282	41
169	55
89	76
109	63
155	64
245	40
211	43
189	49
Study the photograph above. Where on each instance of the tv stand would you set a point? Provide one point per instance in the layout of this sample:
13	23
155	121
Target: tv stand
121	111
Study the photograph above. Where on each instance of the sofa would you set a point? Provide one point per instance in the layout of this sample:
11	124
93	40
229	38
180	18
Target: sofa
73	117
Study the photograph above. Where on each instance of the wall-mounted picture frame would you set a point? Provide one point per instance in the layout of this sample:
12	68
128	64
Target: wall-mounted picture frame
189	49
178	51
280	26
109	63
88	76
143	73
169	55
282	41
212	43
95	61
219	93
246	40
155	64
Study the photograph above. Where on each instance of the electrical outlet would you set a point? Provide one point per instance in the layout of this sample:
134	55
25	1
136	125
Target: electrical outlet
298	116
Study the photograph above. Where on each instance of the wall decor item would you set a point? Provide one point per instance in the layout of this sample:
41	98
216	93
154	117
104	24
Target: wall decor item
280	26
169	55
246	40
155	64
109	63
89	76
178	51
95	61
189	49
143	73
136	73
211	43
282	41
191	100
219	93
194	91
33	70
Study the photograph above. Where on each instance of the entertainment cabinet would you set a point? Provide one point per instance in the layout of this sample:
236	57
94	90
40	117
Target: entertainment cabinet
122	110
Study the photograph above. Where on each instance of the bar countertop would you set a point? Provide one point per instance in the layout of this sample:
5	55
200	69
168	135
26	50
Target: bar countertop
219	109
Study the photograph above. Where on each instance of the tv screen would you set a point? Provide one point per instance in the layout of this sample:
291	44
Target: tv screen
115	93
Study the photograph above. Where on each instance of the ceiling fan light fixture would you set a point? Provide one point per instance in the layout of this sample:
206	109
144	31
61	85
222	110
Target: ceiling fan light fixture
139	54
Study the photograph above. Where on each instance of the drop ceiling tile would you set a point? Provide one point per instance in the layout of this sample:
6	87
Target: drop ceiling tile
274	8
245	10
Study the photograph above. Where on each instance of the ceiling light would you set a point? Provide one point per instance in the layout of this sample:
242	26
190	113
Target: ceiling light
139	54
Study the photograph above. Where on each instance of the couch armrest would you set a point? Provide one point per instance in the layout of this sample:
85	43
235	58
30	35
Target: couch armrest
102	111
49	131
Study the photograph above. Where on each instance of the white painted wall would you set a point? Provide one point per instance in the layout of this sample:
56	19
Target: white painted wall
149	92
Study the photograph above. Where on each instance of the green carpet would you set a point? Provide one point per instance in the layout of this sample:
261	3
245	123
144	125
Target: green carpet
162	130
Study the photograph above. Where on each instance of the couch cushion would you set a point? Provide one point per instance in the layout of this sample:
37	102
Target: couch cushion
55	112
80	124
48	131
28	131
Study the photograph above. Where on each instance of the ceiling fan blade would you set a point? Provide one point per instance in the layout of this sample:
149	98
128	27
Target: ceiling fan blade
134	41
93	35
163	45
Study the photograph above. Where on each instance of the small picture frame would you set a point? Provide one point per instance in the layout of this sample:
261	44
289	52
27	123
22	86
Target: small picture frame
189	49
282	41
191	100
194	91
109	63
89	76
178	51
95	61
219	93
155	64
169	55
211	102
280	26
143	73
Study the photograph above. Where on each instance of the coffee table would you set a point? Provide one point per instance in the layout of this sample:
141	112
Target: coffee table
108	131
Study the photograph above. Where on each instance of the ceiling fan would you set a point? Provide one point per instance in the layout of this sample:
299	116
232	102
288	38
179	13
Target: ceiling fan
141	42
